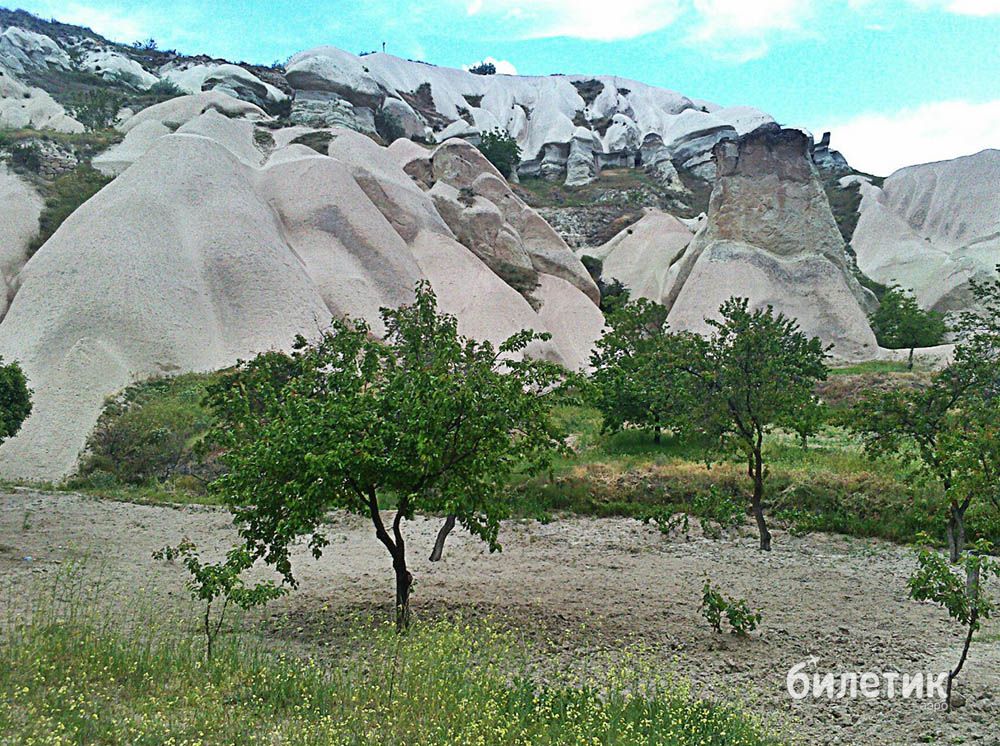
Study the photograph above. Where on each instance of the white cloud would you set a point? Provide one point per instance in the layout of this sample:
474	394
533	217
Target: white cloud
503	67
596	20
882	143
110	21
963	7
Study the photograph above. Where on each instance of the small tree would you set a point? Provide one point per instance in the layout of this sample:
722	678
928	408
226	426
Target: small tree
483	68
97	109
960	593
755	373
900	324
429	418
15	399
501	149
638	378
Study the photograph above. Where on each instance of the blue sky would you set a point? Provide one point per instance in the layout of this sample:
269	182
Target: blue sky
898	81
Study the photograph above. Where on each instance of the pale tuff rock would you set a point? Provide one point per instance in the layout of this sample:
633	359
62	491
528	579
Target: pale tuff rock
769	236
232	80
22	51
932	228
20	206
24	106
208	248
110	65
545	114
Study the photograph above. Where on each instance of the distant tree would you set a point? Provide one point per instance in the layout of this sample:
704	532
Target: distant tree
638	377
961	594
145	45
15	399
501	149
899	323
428	418
164	88
753	374
483	68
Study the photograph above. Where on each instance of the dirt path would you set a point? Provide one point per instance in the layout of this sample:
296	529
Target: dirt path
841	600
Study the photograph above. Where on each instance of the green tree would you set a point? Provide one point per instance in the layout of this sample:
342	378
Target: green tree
15	399
900	324
427	418
753	374
97	109
501	149
961	594
638	369
483	68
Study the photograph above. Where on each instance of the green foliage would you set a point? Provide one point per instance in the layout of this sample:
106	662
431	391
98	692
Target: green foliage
438	421
962	594
165	89
755	373
97	108
501	149
899	323
85	675
742	619
63	197
26	157
211	581
15	399
483	68
388	126
639	369
613	292
150	431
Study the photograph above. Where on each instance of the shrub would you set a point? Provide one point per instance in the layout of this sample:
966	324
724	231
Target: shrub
742	619
26	157
96	109
149	431
165	89
502	150
63	197
483	68
388	126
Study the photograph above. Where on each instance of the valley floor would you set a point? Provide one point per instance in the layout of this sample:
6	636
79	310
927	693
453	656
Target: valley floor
578	588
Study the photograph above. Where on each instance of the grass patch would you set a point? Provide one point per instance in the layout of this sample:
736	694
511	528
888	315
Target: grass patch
873	366
76	676
62	198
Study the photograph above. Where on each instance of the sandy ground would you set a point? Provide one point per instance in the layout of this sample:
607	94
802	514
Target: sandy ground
583	585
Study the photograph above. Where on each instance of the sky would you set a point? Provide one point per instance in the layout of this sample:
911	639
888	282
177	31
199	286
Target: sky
896	81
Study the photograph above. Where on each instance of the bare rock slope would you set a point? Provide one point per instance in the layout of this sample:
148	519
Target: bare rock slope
932	228
214	244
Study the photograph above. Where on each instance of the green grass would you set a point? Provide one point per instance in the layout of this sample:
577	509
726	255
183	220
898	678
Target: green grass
63	197
72	675
874	366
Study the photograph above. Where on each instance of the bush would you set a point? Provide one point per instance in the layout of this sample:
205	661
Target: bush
63	197
502	150
26	157
483	68
742	619
388	126
165	89
148	432
97	109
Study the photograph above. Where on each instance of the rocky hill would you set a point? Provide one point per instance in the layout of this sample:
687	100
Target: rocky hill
164	213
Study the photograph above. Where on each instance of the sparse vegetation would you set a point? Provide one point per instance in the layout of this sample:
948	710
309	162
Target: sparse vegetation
483	68
63	197
742	619
97	109
502	150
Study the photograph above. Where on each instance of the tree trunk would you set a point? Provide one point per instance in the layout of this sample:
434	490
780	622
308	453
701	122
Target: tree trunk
404	582
656	435
757	500
956	530
909	363
449	524
972	588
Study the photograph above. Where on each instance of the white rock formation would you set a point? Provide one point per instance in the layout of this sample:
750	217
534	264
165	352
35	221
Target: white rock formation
20	206
769	236
22	50
111	65
25	106
545	114
210	247
233	80
932	228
